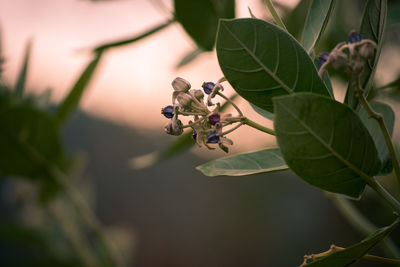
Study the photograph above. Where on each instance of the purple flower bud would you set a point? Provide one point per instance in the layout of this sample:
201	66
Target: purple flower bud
212	137
323	57
168	111
214	118
194	135
208	87
354	37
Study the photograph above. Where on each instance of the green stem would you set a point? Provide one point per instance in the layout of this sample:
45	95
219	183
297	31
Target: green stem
385	194
379	118
361	223
275	15
68	226
258	126
134	39
87	215
77	201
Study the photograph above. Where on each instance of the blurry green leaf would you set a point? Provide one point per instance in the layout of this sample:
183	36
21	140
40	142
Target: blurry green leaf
266	160
130	40
376	133
20	85
393	15
43	100
29	141
263	112
71	102
317	19
325	143
351	254
261	61
295	20
192	55
183	143
200	18
372	27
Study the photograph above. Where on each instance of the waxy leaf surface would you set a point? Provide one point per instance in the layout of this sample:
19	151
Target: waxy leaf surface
266	160
317	19
261	61
376	133
325	143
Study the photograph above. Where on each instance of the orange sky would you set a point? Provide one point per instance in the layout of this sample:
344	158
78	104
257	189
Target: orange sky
133	82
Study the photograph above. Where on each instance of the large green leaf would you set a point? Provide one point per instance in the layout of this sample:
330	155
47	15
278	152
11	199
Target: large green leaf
20	84
266	160
372	27
376	133
71	101
351	254
200	18
325	143
296	18
28	140
261	61
317	19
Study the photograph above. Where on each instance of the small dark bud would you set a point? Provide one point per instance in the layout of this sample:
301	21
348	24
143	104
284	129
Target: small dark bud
168	111
212	137
214	118
208	87
199	95
355	37
323	57
194	135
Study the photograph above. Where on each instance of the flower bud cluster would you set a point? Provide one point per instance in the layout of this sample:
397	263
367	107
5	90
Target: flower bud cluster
349	57
207	125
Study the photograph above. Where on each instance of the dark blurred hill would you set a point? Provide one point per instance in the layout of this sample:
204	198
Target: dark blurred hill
182	218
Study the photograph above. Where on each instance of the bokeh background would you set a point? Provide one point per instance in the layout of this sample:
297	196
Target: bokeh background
167	214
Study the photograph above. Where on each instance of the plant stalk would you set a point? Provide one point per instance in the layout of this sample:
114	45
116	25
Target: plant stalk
275	15
257	126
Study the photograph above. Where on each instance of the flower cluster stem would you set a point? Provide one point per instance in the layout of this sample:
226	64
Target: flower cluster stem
257	126
379	118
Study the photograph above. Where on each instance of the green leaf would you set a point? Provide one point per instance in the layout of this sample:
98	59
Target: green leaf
20	85
376	133
325	143
28	140
183	143
200	18
192	55
266	160
296	18
372	27
325	77
131	40
317	19
261	61
351	254
71	102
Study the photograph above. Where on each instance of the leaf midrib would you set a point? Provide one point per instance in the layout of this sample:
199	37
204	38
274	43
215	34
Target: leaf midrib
362	174
265	68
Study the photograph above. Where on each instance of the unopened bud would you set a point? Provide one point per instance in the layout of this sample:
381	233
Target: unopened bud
180	85
174	127
208	87
366	50
199	95
354	37
184	99
212	137
168	111
338	60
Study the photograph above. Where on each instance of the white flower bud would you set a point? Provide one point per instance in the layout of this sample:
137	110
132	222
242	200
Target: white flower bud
181	85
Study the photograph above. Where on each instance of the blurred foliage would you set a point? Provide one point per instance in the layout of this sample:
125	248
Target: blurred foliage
31	128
